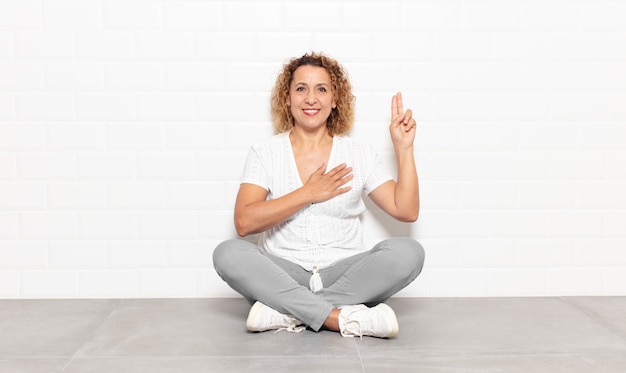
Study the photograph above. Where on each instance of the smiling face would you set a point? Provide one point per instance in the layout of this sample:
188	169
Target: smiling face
311	97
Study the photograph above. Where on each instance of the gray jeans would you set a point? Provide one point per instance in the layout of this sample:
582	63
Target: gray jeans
367	278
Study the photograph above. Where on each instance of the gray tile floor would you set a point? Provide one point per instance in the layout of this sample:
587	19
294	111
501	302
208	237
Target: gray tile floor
579	334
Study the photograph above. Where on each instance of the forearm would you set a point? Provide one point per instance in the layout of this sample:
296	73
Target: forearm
406	196
260	216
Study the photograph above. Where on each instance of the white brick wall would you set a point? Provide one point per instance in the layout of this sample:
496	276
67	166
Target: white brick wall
124	126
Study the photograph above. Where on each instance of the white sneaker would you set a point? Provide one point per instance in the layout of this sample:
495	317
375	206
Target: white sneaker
262	318
359	320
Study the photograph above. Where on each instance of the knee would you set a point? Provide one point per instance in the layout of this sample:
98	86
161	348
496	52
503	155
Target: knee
410	254
226	253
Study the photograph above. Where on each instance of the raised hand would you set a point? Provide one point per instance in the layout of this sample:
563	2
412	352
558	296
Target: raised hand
324	186
403	125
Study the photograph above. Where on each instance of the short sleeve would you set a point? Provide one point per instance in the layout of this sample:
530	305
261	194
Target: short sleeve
254	171
378	174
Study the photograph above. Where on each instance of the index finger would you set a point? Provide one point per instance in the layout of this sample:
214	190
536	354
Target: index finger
397	107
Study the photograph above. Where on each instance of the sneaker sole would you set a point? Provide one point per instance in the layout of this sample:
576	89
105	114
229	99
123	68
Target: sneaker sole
256	307
392	316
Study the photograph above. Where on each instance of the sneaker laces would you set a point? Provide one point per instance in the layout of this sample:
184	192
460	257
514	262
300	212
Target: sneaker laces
291	329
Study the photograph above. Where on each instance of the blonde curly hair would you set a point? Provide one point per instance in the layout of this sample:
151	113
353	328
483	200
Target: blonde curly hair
341	118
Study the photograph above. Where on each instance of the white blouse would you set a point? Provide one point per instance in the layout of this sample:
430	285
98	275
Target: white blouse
321	233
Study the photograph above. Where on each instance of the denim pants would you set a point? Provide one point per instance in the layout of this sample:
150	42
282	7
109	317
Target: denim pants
367	278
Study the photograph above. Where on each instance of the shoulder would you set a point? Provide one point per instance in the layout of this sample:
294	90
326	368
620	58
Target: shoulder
271	144
354	144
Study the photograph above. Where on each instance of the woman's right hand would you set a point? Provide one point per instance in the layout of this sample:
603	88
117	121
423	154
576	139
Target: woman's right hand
324	186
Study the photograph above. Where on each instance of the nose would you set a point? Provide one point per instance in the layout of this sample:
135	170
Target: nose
310	98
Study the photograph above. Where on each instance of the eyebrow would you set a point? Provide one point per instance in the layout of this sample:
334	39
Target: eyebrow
318	84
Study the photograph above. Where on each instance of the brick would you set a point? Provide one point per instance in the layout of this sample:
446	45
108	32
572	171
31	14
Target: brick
9	226
177	283
517	282
581	47
592	136
521	47
81	254
76	195
323	16
438	194
277	47
170	224
549	16
228	106
208	169
576	165
602	77
578	281
47	165
49	284
45	105
545	253
17	76
226	46
193	16
487	253
9	284
517	224
614	278
600	253
137	254
487	194
207	136
166	106
136	15
492	16
44	45
22	195
196	76
135	135
165	45
109	283
8	166
168	165
434	77
454	223
602	16
20	15
414	46
23	254
191	253
63	15
462	47
490	77
107	165
487	136
615	221
108	224
104	45
547	135
134	75
616	166
48	225
6	45
236	136
374	77
453	165
7	106
511	165
106	106
467	107
255	77
73	76
244	15
520	106
604	194
74	136
432	16
546	194
574	223
196	195
136	195
459	281
362	15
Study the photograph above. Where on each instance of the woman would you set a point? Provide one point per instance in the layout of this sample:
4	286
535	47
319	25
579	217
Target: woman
302	191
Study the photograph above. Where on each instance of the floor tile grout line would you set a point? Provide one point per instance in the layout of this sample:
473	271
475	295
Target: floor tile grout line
93	334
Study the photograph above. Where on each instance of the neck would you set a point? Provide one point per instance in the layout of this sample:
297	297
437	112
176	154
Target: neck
312	139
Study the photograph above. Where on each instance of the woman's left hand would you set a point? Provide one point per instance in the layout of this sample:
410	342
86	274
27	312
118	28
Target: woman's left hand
403	125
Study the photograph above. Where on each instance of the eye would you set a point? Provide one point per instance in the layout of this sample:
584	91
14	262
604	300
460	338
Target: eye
322	89
300	89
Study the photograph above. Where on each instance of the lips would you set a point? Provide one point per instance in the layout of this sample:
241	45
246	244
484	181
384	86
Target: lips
311	112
